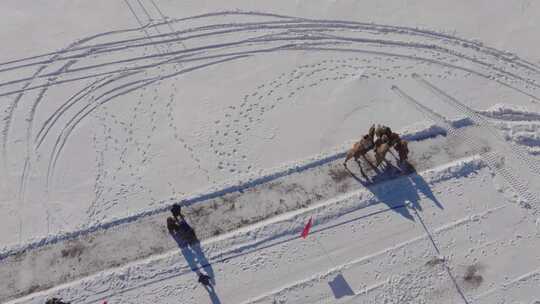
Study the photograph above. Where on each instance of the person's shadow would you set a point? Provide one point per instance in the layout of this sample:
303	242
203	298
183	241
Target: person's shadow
212	293
399	188
190	247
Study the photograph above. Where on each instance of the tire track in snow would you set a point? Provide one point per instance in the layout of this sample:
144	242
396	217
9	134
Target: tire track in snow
9	117
30	119
172	60
13	106
185	144
421	59
66	131
49	122
481	121
469	44
379	53
403	44
135	85
251	28
166	20
223	29
144	27
494	160
30	149
75	48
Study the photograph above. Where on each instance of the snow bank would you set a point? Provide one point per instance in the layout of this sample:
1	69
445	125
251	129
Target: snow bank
426	129
523	133
511	112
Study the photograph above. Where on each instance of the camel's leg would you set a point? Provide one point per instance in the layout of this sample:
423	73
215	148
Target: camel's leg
362	172
350	155
358	162
379	159
360	166
393	155
377	163
369	162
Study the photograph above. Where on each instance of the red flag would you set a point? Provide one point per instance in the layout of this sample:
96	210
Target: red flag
305	232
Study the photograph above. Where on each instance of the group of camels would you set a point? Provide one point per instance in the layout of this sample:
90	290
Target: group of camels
385	140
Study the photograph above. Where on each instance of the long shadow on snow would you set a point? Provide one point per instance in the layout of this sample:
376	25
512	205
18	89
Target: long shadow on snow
393	190
245	250
399	192
197	261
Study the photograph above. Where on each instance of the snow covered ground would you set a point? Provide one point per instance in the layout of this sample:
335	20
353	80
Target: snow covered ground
114	110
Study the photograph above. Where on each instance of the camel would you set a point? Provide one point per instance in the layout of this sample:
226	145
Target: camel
393	139
402	147
383	145
381	148
386	139
382	130
361	147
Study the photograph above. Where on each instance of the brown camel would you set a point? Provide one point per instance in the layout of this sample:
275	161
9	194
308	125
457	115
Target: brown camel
381	148
393	139
402	147
361	147
382	130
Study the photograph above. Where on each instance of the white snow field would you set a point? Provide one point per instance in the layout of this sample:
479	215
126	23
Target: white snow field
242	112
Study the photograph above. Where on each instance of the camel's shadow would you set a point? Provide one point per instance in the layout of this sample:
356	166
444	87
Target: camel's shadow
400	188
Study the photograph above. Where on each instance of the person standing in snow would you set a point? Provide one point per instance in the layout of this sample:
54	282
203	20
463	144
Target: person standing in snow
176	211
172	225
